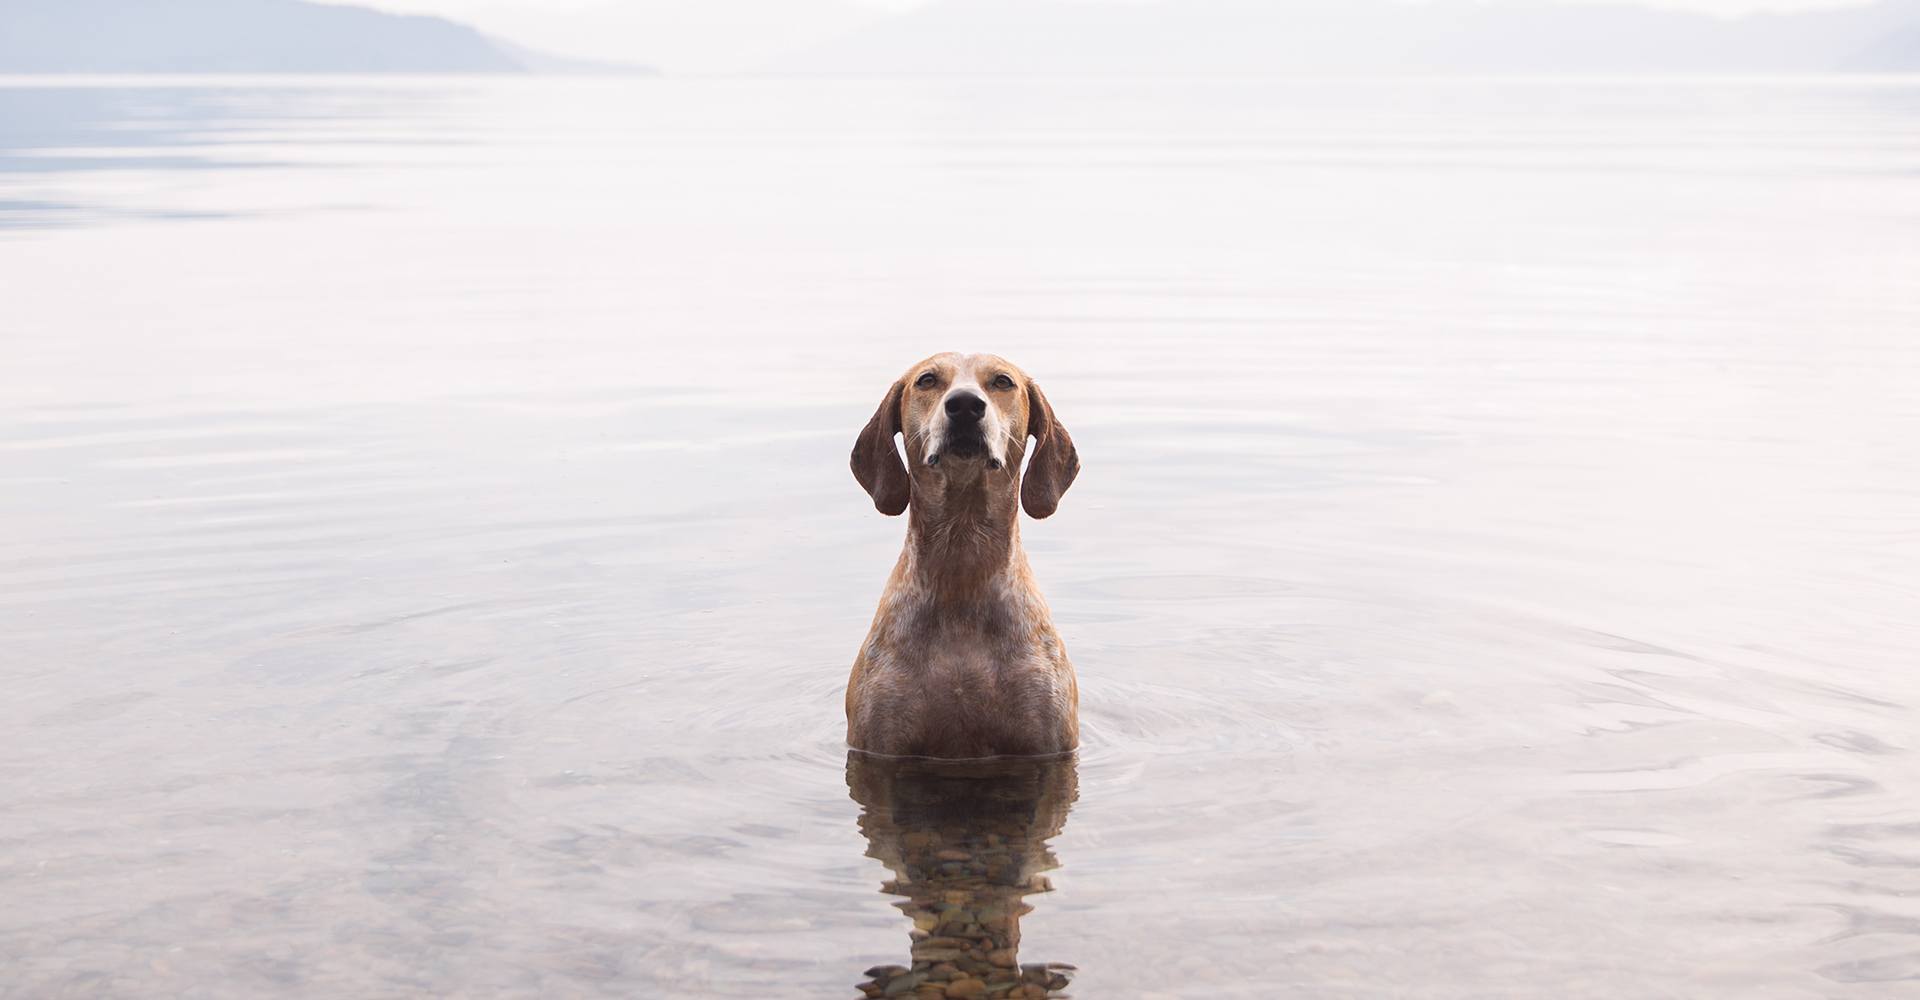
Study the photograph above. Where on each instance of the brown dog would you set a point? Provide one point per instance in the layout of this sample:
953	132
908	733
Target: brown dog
962	660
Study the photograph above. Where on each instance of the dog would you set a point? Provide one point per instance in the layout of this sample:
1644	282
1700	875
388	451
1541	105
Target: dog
962	660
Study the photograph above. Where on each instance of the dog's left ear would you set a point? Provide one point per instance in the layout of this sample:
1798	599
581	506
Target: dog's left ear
876	463
1055	461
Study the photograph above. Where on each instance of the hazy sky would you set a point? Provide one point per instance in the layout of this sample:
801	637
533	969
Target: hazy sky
727	35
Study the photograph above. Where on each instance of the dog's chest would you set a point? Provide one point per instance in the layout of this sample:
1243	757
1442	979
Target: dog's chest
968	678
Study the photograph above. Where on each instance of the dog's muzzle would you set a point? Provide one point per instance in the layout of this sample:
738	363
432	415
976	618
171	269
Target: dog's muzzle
966	434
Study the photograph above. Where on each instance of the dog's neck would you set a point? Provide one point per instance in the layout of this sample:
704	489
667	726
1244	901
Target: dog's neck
963	534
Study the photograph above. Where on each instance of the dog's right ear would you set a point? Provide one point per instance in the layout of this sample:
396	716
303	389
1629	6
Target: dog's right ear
876	462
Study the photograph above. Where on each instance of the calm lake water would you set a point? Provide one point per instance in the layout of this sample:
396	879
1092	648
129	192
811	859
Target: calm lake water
429	566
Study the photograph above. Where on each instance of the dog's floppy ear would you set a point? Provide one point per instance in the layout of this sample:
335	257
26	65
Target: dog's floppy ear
877	464
1055	461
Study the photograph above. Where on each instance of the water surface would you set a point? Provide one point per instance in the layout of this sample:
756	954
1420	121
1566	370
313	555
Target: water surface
428	564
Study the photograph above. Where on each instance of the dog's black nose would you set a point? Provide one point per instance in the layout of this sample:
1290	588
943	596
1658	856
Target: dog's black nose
966	407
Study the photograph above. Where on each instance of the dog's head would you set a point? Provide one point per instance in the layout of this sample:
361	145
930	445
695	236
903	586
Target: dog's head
965	417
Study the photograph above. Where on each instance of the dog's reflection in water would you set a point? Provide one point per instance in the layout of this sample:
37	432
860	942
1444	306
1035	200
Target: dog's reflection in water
967	842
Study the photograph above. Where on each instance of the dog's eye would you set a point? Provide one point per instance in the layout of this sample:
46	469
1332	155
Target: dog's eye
1003	382
928	381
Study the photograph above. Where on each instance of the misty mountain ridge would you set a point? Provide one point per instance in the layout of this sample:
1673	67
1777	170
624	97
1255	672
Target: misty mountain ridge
1046	37
251	36
1037	37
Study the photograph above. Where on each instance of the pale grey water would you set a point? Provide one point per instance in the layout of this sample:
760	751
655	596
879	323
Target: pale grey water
428	565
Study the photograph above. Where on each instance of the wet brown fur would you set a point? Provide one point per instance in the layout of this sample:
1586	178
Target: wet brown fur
962	659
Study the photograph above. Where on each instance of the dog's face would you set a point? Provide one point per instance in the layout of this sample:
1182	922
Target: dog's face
966	416
964	411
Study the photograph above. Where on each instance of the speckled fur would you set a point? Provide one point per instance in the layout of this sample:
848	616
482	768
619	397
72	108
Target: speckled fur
963	659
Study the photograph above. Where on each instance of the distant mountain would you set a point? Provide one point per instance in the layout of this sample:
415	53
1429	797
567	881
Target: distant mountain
536	61
247	36
1898	51
1362	36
